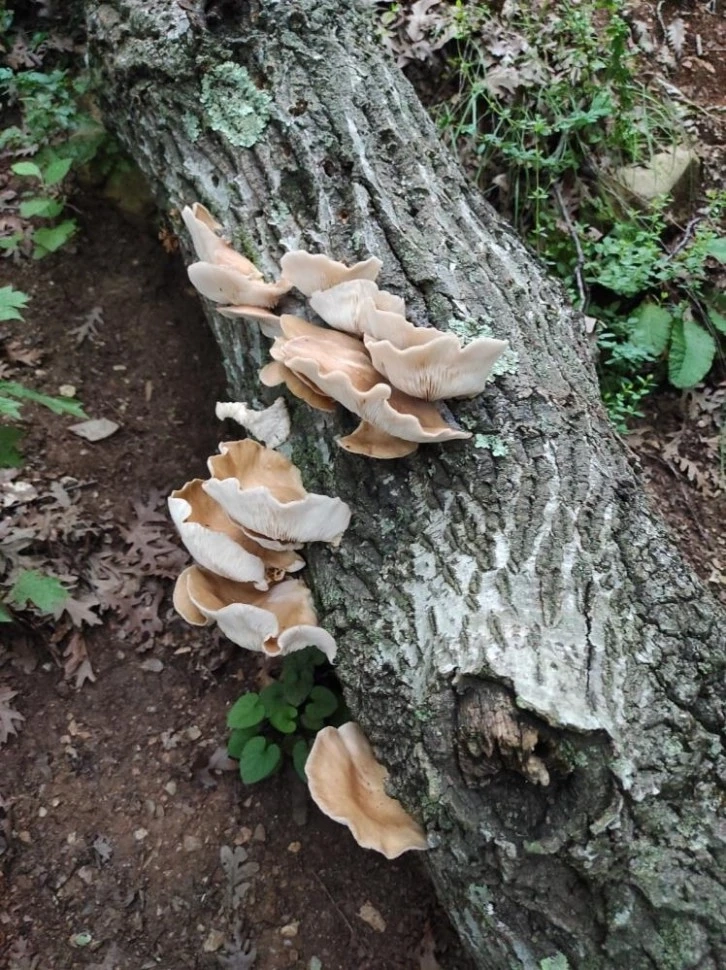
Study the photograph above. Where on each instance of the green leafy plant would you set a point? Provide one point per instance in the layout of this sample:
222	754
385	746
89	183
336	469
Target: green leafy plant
549	103
55	134
13	393
282	718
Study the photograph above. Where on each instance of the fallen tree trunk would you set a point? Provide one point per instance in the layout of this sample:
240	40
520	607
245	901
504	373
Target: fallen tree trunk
518	636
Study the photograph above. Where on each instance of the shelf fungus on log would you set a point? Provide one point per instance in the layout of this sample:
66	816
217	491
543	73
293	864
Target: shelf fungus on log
217	543
311	272
226	276
276	622
338	366
347	784
270	425
341	306
262	491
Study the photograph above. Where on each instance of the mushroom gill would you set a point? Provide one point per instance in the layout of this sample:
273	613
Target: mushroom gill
218	544
310	272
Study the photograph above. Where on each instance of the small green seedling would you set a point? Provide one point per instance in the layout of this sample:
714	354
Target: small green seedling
283	717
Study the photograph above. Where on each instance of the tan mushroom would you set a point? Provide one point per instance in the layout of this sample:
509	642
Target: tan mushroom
310	272
339	366
276	373
347	784
374	443
341	305
209	247
269	322
217	544
262	491
433	365
276	622
226	285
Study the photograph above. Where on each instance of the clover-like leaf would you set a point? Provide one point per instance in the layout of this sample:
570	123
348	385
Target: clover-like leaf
322	703
296	685
246	712
284	719
238	739
258	759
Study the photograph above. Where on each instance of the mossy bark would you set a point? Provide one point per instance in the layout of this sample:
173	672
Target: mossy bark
518	636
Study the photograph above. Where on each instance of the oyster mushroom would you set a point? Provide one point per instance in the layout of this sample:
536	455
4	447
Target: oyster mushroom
347	784
310	272
271	425
276	622
339	366
262	491
217	544
341	305
224	275
432	365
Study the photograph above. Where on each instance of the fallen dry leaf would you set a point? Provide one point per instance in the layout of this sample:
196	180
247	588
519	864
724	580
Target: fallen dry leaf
9	717
370	915
95	430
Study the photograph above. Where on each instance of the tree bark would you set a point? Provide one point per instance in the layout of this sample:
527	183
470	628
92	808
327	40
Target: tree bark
518	636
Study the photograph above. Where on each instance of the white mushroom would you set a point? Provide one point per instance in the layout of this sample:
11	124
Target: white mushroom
279	621
341	305
310	272
433	365
218	544
271	425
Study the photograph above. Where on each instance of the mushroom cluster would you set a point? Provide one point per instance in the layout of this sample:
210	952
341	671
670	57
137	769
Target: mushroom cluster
243	526
369	358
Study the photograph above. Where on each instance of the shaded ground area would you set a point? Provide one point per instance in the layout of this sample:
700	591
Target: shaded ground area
118	846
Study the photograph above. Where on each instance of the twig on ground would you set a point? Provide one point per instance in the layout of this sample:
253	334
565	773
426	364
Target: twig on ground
353	934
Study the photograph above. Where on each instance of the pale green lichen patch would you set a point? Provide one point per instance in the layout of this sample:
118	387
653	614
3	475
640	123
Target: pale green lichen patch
233	106
190	124
558	962
469	328
492	443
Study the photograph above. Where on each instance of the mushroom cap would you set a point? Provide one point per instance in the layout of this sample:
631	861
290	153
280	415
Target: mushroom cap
226	285
434	365
183	603
220	545
269	322
210	536
278	621
345	373
276	373
271	425
347	784
209	247
341	305
374	443
262	491
310	272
